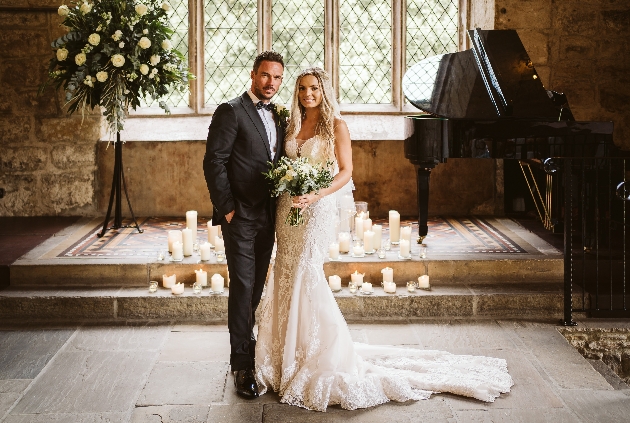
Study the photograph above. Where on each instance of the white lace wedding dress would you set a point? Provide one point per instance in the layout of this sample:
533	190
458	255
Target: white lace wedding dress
305	351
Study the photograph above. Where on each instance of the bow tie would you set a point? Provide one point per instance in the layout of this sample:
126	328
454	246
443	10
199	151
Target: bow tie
261	105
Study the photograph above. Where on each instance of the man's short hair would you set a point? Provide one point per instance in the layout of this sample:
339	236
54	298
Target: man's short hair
269	56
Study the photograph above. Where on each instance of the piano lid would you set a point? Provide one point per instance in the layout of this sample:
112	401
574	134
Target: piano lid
494	79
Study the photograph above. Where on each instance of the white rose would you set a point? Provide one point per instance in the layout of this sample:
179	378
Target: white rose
145	31
85	8
151	75
155	59
121	44
101	76
166	6
79	59
144	42
166	45
63	10
141	9
144	69
94	39
117	35
118	60
62	54
154	71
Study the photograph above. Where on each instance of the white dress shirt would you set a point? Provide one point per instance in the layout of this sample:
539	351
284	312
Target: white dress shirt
270	126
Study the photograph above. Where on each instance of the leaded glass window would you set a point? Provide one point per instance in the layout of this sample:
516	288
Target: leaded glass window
431	29
365	51
298	34
230	45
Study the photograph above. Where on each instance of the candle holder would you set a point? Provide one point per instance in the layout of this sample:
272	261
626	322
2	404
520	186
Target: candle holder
370	252
161	255
381	253
352	287
411	286
177	260
370	292
337	259
358	255
427	288
197	287
423	251
220	256
195	247
216	292
212	254
335	290
388	245
153	286
404	258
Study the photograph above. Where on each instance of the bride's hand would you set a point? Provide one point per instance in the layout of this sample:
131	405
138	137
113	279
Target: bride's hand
303	201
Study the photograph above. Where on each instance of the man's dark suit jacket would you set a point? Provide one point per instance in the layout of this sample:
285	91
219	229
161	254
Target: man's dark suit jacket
237	154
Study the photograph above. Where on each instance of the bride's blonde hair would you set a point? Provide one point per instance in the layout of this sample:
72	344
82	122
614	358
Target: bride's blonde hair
328	110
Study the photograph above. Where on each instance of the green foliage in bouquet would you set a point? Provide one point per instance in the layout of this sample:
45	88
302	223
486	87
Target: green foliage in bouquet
116	52
298	177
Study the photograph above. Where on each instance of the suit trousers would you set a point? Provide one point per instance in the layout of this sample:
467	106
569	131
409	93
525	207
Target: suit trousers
248	247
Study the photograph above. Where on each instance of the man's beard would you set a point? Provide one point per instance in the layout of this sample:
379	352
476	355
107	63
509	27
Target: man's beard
262	95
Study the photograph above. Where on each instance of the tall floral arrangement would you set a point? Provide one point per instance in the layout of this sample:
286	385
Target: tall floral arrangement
116	52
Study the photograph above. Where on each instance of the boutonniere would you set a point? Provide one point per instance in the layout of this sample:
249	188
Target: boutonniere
282	113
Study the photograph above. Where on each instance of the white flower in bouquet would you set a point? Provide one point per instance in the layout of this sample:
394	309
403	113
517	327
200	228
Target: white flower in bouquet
94	39
144	43
89	81
155	59
85	8
145	31
117	35
121	44
166	45
166	6
62	54
80	59
101	76
141	9
63	10
118	60
144	69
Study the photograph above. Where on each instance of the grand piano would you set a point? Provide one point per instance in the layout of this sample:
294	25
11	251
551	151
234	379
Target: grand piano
489	102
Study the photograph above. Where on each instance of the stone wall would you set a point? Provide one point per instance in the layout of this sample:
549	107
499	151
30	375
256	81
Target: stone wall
47	159
579	47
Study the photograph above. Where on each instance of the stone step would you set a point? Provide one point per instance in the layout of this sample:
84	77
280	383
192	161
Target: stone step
111	305
93	273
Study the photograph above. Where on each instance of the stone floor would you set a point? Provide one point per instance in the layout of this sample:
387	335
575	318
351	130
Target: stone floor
179	373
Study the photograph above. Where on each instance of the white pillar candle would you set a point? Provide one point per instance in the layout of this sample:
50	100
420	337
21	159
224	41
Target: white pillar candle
334	282
178	251
394	226
357	278
216	283
378	236
177	289
367	224
389	287
405	233
423	281
344	242
218	244
358	226
173	236
202	277
333	251
388	274
187	235
168	281
358	250
366	287
368	241
191	223
213	232
204	251
404	248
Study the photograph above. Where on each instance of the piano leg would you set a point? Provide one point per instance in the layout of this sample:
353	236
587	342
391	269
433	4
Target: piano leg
422	177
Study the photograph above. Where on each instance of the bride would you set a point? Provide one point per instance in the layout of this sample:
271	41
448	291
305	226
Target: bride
304	351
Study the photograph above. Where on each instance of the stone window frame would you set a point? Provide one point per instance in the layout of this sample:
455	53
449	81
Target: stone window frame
331	39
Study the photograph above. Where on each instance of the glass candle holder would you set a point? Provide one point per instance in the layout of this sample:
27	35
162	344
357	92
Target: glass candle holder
161	254
411	286
196	247
352	287
423	250
220	256
381	253
197	287
387	245
153	286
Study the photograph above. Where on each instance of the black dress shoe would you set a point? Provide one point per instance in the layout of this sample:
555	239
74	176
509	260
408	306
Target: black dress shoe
245	382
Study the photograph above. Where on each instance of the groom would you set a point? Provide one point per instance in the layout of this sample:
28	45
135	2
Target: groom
243	137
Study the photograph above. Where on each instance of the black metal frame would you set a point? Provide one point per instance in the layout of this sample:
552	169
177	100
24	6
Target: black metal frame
118	184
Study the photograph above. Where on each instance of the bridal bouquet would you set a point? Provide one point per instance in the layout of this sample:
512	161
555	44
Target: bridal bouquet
116	52
298	177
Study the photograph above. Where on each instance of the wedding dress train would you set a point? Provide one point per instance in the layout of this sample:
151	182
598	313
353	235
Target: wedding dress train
305	351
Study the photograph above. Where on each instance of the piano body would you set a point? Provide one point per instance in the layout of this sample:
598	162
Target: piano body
488	102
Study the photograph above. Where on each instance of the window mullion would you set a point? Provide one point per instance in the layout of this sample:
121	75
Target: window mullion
195	53
331	42
264	25
398	14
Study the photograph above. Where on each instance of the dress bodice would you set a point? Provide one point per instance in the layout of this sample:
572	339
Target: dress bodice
311	148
